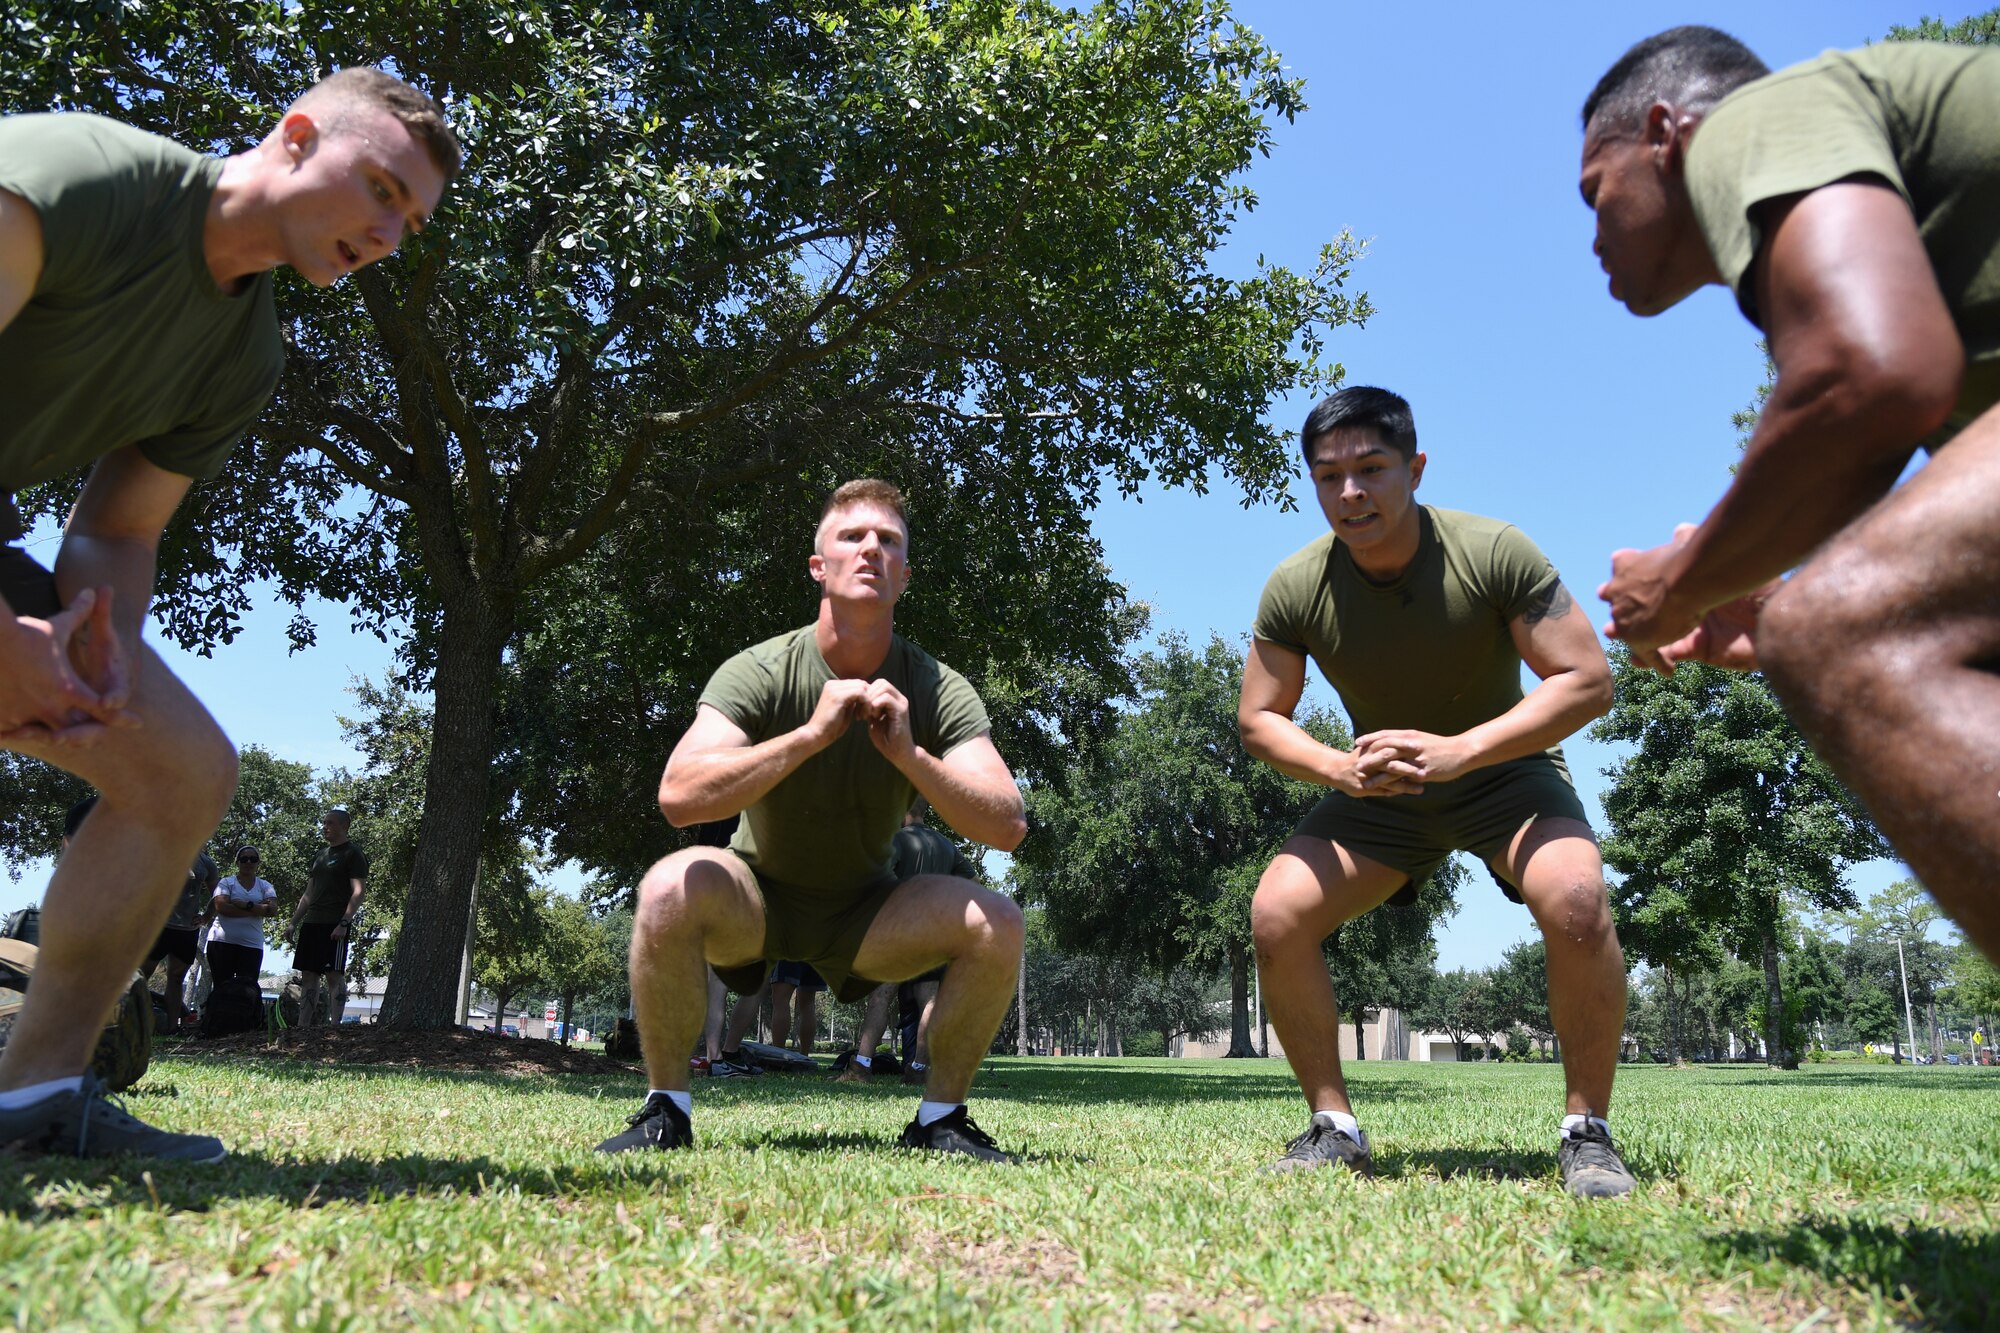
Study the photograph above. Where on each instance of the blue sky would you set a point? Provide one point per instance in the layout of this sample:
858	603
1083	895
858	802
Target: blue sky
1447	136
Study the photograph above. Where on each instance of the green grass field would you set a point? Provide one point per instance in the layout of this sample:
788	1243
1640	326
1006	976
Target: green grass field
359	1199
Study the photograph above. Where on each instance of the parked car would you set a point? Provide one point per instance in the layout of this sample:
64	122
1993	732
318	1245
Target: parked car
1950	1058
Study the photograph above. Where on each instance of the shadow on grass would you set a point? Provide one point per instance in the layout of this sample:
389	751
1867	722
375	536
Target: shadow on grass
1947	1276
1468	1165
625	1077
1092	1082
1885	1080
87	1188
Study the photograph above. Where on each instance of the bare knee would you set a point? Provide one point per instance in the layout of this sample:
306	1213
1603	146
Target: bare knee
1822	637
672	890
1282	910
177	782
1577	916
998	923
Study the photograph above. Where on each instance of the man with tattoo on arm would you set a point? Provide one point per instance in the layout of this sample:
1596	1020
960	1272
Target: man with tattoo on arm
1421	618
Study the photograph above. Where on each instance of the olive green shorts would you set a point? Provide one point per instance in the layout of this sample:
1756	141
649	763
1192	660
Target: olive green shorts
818	927
1480	813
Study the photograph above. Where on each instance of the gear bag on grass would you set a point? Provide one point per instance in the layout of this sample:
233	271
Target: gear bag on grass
235	1005
126	1046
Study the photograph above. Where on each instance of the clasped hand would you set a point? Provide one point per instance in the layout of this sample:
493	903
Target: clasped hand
1660	630
64	680
1400	762
876	702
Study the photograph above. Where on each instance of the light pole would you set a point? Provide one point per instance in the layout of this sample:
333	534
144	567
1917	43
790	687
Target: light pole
1908	1019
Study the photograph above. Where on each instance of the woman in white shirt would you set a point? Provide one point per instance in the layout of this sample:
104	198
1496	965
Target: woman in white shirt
236	940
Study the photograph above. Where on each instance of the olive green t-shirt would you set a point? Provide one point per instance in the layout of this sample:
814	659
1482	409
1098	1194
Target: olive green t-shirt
1923	117
127	339
1430	651
329	884
829	825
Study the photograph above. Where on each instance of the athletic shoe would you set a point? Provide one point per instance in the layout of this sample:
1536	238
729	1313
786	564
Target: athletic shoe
1323	1145
916	1075
855	1073
721	1068
90	1122
742	1062
659	1124
1591	1167
955	1133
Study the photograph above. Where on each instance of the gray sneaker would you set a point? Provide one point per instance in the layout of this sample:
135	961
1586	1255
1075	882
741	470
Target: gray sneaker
1323	1145
90	1122
1591	1167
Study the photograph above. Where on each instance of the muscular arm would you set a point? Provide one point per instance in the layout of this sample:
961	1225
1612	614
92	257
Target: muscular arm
1274	679
1869	364
1560	647
715	772
973	790
113	536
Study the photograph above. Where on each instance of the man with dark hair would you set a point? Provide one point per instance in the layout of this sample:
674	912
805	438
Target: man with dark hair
1852	204
138	339
1421	618
323	922
821	737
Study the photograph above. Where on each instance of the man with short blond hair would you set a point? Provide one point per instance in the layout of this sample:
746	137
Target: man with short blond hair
821	738
139	340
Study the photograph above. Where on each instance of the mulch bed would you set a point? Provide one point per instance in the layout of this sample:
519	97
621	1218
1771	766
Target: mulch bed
367	1044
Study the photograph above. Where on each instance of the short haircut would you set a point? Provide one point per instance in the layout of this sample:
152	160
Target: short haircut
74	816
863	490
1690	67
1362	408
364	85
341	814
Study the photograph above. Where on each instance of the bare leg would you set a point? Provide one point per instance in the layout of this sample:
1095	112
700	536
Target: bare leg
876	1021
926	1001
1311	887
808	1007
309	993
697	908
165	787
977	934
744	1020
1555	864
781	1012
177	972
711	1028
1884	650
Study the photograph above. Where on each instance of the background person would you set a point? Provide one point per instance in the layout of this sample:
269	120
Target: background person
242	904
323	921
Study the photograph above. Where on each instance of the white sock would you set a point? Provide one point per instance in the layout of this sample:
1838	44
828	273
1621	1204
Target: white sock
36	1092
1572	1123
929	1113
1345	1122
865	1061
918	1064
684	1100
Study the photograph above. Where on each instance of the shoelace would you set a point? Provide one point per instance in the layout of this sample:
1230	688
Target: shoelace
654	1106
978	1135
97	1102
1304	1147
1592	1148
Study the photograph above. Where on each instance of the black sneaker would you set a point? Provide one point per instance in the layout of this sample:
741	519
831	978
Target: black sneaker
1591	1167
1323	1145
955	1133
721	1068
740	1062
90	1122
659	1124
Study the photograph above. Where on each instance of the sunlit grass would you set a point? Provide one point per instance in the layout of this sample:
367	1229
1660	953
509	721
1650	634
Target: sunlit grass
358	1198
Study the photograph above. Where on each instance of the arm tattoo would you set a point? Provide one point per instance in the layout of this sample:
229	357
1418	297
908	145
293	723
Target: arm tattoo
1551	605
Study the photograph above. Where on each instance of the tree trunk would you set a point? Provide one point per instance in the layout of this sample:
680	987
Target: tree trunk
1775	1054
1937	1038
421	986
500	1009
568	1004
1673	1019
1021	1046
1239	1003
1360	1042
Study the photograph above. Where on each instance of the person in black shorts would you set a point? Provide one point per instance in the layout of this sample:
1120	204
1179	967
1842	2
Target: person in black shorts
180	939
324	919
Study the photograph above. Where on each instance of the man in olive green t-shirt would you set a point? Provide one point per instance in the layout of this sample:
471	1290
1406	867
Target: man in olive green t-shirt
1421	618
138	339
821	738
323	922
1852	204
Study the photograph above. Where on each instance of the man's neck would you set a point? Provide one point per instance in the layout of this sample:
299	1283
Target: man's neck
1387	561
237	236
853	642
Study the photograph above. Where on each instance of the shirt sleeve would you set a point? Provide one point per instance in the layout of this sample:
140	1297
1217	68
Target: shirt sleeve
357	865
1785	134
961	713
1521	574
743	691
56	163
237	396
1278	613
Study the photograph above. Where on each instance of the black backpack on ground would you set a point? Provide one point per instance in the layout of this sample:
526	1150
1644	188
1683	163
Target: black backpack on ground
125	1047
234	1006
623	1043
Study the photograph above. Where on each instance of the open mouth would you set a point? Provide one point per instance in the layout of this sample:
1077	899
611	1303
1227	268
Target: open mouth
1358	521
349	254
